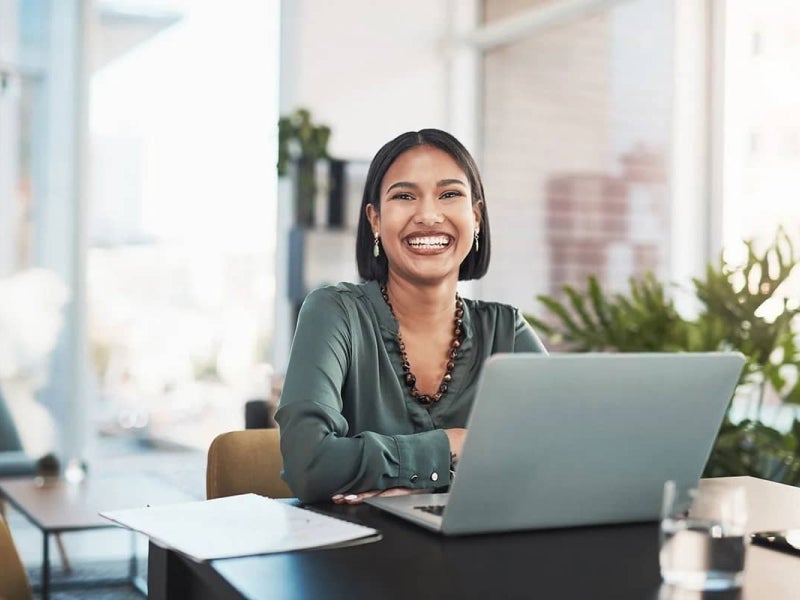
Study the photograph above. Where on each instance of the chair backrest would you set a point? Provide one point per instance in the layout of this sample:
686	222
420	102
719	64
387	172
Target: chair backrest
9	436
247	461
13	579
14	462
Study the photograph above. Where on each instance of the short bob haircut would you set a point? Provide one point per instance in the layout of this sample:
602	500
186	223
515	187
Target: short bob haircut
370	268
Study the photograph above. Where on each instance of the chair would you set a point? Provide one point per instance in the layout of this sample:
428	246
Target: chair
247	461
14	583
14	462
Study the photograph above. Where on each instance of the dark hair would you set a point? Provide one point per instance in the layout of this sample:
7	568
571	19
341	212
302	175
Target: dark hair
370	268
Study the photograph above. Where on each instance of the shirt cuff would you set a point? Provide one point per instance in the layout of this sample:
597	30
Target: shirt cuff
424	460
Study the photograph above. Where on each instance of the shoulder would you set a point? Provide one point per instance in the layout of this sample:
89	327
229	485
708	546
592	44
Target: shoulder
494	320
505	326
492	311
338	295
345	301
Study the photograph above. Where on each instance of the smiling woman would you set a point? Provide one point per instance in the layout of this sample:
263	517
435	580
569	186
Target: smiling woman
425	223
432	150
382	375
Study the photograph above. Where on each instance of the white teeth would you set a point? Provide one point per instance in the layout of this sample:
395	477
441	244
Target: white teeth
429	242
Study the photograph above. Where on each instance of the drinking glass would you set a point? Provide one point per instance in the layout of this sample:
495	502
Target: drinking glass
703	535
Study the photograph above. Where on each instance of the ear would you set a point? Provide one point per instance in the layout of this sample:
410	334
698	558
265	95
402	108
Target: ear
476	211
374	217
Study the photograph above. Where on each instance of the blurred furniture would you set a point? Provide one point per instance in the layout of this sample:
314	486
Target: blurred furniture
56	506
610	561
13	579
13	461
16	463
259	414
247	461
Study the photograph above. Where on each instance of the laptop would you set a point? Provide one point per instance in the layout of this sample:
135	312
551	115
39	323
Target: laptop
567	440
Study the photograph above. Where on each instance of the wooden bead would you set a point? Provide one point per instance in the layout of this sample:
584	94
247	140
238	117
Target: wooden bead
455	344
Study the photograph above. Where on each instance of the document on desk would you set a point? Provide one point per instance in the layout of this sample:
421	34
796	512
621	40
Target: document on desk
239	526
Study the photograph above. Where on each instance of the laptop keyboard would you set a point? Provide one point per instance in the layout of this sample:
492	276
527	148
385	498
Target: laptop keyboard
436	509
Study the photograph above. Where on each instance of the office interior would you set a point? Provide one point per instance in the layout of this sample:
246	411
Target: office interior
148	274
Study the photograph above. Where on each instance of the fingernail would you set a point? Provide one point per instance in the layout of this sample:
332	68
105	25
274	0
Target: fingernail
351	497
337	497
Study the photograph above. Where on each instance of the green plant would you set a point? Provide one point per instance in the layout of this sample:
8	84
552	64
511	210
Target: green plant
300	138
742	308
302	141
645	320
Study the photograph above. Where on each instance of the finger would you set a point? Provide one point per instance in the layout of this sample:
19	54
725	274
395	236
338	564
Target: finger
405	491
396	492
359	498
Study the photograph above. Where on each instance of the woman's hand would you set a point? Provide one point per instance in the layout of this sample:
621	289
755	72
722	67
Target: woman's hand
359	498
456	436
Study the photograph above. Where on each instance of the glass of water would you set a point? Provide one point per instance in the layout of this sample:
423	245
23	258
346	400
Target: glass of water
703	535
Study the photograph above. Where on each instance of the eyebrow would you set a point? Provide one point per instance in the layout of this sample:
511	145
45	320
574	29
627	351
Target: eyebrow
414	186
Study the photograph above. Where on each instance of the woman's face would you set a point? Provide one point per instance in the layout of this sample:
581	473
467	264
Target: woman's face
427	220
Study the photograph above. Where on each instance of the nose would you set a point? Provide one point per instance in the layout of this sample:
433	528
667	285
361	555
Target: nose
428	213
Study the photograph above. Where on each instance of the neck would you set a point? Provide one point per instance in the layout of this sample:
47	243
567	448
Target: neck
421	304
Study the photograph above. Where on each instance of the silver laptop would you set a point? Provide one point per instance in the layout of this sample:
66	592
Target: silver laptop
578	439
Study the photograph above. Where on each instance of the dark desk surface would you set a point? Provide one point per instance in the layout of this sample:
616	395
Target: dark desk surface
588	562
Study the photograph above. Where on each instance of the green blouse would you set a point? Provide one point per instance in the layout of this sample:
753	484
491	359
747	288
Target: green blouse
348	423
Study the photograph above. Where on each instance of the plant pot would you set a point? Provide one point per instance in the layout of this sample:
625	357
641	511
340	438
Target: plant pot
305	191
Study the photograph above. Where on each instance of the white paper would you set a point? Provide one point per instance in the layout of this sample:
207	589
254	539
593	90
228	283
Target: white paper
237	526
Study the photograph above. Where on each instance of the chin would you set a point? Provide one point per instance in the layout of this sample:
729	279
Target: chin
433	278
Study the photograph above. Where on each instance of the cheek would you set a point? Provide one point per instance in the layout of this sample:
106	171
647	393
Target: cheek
469	222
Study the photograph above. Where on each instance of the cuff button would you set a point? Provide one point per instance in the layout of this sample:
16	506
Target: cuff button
434	476
414	478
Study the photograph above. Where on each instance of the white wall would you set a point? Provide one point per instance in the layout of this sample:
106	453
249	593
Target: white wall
371	70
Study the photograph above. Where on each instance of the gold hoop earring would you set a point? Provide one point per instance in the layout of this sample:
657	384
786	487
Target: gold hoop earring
376	250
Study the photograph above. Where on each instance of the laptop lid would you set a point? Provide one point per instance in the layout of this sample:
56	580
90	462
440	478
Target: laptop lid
580	439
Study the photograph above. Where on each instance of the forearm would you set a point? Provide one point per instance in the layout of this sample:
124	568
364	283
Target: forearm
320	461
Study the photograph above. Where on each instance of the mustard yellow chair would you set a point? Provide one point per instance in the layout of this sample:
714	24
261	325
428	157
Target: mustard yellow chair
244	462
13	579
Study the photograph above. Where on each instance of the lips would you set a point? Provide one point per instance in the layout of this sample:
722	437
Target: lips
428	243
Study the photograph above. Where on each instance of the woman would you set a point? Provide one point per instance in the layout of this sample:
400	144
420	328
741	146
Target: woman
382	374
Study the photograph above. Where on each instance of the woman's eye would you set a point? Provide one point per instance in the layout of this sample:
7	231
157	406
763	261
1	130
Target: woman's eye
402	196
452	194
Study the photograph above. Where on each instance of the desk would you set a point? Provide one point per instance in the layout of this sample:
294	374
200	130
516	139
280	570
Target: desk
589	562
57	506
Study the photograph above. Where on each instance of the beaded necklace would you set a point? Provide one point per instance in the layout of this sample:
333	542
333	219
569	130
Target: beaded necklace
452	354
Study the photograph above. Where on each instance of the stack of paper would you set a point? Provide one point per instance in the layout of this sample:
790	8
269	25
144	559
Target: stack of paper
239	526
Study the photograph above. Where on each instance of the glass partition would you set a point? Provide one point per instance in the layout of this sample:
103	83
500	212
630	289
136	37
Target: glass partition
576	130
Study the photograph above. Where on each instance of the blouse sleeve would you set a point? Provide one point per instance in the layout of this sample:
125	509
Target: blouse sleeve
525	338
319	459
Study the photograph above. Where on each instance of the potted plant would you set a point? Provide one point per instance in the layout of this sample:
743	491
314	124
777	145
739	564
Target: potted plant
742	308
302	142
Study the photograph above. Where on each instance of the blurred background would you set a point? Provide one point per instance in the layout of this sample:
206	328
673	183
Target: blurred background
152	259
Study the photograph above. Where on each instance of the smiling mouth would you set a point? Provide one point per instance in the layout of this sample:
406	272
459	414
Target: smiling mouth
429	242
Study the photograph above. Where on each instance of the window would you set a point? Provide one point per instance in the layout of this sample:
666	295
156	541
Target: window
760	158
180	269
576	130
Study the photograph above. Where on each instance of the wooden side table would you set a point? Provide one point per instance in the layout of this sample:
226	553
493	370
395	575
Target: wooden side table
58	506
